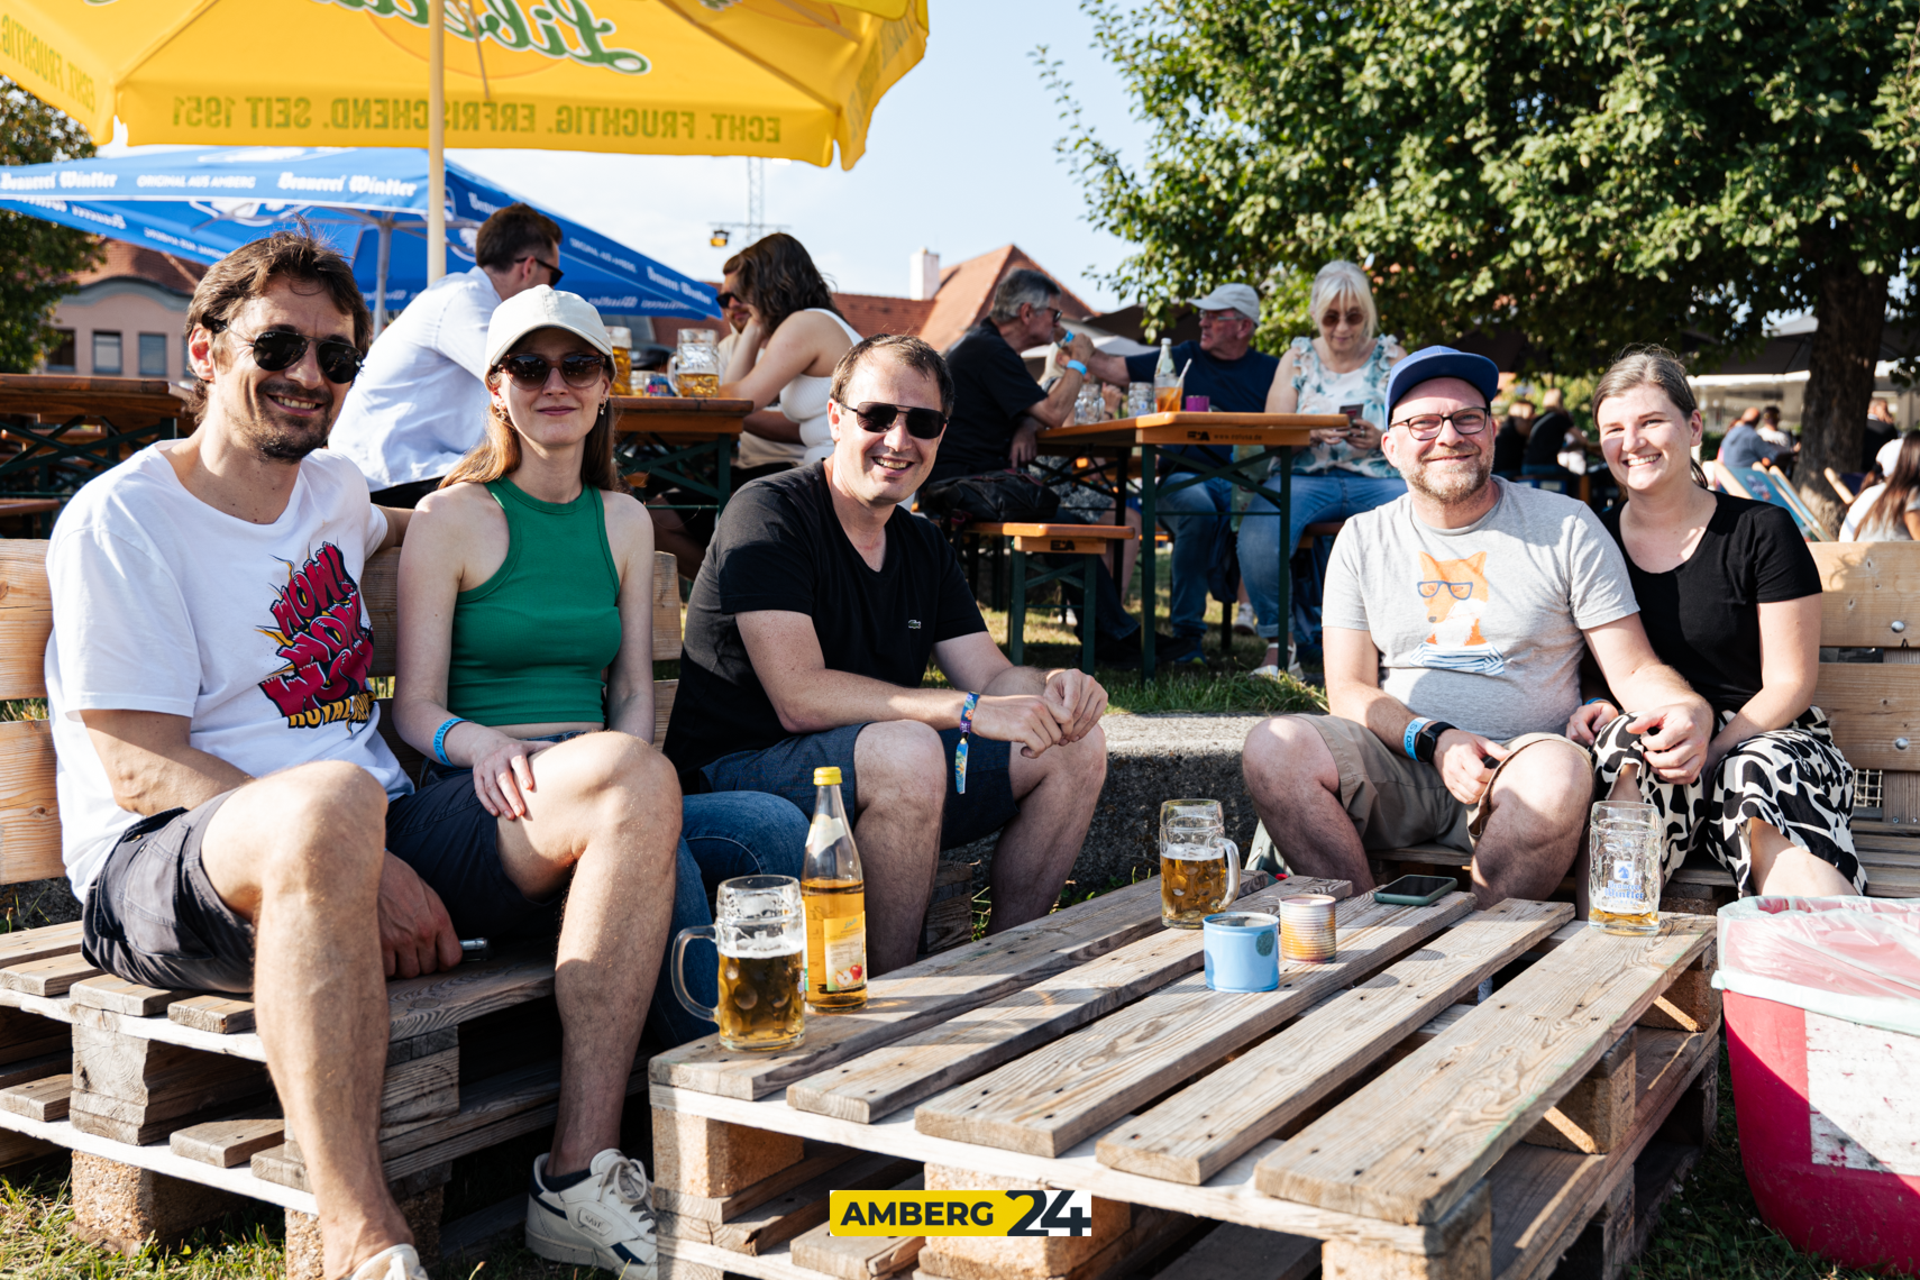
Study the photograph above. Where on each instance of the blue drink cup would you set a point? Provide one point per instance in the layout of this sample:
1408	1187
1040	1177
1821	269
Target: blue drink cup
1242	951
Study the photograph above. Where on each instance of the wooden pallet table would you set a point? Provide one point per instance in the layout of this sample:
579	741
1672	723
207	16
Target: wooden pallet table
1366	1117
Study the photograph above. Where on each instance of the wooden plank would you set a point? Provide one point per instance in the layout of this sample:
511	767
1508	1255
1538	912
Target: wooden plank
117	995
44	1099
666	609
1234	1252
819	1158
147	1073
226	1143
1872	709
1595	1115
16	1148
858	1257
416	1006
1052	1098
26	618
122	1122
1205	1127
420	1090
921	1065
47	1064
939	987
38	944
792	1212
27	1037
220	1015
29	810
1409	1146
49	977
1867	587
664	692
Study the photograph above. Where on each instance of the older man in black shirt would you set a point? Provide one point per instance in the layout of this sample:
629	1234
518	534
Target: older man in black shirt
809	631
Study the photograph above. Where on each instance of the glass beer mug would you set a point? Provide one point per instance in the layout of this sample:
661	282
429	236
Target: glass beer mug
1626	856
1199	866
760	928
695	367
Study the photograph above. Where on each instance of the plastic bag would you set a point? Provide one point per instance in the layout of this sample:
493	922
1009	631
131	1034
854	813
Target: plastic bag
1852	958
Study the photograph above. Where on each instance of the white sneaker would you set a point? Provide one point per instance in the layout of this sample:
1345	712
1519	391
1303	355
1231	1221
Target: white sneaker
1245	621
604	1221
400	1262
1268	672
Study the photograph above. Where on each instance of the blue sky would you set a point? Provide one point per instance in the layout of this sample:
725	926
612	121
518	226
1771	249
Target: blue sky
960	159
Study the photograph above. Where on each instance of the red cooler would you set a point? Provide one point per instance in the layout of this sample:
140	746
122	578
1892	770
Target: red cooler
1823	1041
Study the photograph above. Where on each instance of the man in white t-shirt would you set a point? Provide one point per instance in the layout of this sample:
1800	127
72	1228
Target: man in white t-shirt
421	402
231	818
1456	617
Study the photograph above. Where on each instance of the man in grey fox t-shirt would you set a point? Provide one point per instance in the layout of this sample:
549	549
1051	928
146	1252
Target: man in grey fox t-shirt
1455	619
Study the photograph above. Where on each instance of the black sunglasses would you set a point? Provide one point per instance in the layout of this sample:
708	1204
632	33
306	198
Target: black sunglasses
577	369
539	261
877	416
726	299
278	349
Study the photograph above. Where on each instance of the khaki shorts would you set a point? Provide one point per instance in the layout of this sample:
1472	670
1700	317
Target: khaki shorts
1395	801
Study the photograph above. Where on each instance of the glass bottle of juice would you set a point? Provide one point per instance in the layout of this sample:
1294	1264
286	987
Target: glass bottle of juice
1166	380
835	893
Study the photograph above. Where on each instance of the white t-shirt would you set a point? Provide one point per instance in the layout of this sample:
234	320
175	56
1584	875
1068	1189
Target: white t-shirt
1889	528
257	633
420	403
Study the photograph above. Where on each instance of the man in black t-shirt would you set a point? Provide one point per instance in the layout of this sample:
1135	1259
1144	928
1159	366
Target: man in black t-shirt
813	619
998	409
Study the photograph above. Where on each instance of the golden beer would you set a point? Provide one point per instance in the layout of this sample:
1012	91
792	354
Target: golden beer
836	943
760	999
1192	888
1626	853
700	386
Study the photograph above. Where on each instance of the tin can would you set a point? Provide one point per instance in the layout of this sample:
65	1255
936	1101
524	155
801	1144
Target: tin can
1306	928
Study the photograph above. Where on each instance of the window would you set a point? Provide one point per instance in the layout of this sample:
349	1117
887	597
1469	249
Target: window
153	355
60	355
106	353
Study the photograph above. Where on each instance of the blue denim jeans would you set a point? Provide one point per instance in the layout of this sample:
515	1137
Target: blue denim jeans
1333	496
722	835
1193	516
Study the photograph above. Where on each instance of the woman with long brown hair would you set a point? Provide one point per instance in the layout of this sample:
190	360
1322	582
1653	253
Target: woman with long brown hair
1730	599
1889	512
783	361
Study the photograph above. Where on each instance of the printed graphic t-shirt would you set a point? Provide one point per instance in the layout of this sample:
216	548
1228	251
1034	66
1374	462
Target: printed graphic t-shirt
779	546
1480	626
256	633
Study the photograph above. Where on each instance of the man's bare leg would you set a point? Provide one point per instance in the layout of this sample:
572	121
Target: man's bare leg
1537	811
300	854
900	787
1782	867
605	814
1296	790
1057	793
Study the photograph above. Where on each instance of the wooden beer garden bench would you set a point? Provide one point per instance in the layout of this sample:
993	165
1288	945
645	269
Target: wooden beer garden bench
163	1096
1361	1117
1088	541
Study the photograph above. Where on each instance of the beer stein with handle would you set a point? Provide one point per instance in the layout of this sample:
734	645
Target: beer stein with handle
1199	866
760	928
695	367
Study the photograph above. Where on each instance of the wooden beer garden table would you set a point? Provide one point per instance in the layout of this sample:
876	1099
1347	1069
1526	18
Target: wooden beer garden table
665	436
58	431
1276	435
1367	1114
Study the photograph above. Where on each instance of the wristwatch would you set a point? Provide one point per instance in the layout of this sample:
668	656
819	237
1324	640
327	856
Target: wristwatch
1427	740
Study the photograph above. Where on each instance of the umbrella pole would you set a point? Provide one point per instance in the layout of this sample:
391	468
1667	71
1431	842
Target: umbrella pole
437	145
380	277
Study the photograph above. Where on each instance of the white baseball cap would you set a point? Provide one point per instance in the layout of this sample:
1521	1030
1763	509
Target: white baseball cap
1231	297
543	307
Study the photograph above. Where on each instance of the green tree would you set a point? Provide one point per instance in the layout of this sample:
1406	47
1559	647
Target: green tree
40	258
1591	173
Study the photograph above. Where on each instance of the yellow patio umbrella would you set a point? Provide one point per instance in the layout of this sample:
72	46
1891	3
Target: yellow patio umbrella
784	78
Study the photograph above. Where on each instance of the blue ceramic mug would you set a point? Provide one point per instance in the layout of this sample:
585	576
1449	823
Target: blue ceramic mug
1241	950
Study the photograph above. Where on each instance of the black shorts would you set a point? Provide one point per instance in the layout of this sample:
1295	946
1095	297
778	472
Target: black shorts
153	917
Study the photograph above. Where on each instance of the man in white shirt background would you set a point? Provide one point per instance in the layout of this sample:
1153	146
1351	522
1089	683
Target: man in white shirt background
421	403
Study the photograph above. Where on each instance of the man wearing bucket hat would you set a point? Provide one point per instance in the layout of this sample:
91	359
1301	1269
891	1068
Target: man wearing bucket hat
1455	620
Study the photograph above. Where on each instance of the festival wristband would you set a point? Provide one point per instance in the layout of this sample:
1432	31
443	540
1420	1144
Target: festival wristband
440	738
960	751
1078	367
1413	731
1590	701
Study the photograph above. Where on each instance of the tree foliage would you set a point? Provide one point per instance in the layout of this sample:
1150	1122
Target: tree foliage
37	259
1591	173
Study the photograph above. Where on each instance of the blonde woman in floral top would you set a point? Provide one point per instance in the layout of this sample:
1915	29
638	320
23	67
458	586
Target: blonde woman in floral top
1343	472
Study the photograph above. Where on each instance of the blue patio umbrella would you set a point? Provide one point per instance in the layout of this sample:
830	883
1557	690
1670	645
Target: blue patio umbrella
203	204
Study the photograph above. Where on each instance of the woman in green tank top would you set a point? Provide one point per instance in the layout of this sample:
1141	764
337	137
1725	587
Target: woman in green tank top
526	589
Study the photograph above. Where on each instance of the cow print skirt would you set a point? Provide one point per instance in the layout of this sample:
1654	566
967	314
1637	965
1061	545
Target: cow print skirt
1794	779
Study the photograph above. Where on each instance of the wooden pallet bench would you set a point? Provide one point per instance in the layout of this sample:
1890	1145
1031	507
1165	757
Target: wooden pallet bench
1365	1117
1088	541
163	1096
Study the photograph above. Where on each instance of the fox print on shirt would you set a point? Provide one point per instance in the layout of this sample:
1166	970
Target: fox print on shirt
1457	595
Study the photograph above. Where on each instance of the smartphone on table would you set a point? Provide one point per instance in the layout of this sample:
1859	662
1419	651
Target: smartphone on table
1415	891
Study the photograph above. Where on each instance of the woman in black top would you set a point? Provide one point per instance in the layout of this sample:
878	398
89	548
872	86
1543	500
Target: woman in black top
1730	598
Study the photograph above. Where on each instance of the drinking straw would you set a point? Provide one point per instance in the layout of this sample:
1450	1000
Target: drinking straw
1183	373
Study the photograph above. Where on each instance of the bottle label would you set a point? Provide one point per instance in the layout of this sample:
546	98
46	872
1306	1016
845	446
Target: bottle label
845	942
824	832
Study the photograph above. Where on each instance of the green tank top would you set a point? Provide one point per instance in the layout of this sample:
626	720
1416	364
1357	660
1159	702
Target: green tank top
531	644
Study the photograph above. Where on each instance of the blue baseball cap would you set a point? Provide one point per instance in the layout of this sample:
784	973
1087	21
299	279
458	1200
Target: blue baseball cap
1429	363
